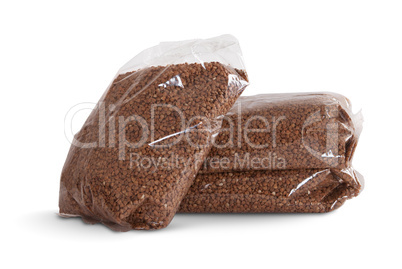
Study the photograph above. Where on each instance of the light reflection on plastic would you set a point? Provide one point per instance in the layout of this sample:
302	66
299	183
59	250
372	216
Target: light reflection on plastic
174	81
304	182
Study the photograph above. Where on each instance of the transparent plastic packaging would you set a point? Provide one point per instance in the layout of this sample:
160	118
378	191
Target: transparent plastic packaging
286	131
272	191
139	151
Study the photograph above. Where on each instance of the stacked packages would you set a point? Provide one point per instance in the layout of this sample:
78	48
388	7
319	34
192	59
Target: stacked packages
280	153
169	136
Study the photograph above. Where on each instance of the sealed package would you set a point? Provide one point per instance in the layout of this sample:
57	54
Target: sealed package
286	131
280	153
139	151
272	191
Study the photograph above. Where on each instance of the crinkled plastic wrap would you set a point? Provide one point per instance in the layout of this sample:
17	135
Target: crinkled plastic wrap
286	131
272	191
280	153
139	151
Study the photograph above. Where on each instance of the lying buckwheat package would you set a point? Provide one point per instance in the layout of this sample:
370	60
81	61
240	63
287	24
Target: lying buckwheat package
139	151
272	191
286	131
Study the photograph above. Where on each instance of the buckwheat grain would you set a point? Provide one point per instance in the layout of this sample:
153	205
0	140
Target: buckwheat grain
101	183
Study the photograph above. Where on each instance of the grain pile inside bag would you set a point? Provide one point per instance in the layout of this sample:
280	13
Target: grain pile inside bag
272	191
280	153
139	151
286	131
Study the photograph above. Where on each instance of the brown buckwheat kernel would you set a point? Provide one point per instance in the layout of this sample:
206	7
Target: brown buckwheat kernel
119	170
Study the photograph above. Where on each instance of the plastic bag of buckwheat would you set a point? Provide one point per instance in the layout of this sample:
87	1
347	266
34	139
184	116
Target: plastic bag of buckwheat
286	131
139	151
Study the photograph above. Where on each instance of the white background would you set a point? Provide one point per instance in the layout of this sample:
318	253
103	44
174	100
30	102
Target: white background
54	55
